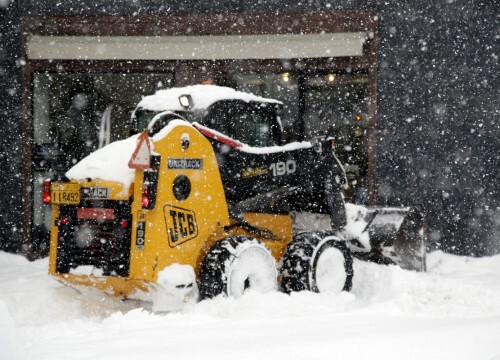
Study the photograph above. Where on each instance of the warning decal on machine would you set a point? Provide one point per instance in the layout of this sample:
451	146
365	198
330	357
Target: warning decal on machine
248	173
95	193
185	164
141	157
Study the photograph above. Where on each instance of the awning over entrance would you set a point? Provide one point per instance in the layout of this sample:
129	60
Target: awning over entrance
263	46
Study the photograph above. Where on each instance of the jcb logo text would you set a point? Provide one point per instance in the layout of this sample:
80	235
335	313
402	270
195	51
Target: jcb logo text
181	224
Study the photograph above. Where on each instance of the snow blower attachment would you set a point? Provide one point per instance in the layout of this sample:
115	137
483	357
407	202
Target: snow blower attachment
213	204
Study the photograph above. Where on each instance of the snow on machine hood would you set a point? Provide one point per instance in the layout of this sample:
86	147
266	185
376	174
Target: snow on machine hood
111	161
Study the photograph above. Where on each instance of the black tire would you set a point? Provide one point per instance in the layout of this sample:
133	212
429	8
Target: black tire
236	264
311	252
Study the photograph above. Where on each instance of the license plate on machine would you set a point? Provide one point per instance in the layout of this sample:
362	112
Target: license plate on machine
65	193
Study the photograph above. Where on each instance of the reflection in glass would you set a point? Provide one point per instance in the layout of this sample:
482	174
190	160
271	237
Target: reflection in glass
282	86
321	104
337	106
75	114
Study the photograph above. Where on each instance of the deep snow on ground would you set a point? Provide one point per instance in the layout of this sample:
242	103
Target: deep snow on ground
450	312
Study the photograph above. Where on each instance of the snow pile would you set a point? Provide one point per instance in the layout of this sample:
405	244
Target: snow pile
10	344
108	163
451	312
177	288
203	96
398	292
356	225
111	161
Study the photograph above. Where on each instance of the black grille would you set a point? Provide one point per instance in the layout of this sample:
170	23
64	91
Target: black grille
105	245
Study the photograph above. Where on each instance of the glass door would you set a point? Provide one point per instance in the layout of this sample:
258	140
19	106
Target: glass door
280	86
73	115
336	105
318	104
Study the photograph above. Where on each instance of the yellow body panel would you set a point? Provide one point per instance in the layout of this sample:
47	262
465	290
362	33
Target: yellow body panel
206	202
117	286
279	225
199	221
54	240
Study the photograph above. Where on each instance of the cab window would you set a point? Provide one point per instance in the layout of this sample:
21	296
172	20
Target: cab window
142	118
253	124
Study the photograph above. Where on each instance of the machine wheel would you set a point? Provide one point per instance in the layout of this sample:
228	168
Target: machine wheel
234	265
317	262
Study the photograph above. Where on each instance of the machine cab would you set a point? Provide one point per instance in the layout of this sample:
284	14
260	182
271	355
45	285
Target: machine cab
255	122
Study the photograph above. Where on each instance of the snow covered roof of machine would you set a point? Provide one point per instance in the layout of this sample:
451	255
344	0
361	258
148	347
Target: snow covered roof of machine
203	96
107	163
111	161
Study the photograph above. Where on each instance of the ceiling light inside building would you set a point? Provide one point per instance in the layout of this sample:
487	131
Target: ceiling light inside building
330	77
285	77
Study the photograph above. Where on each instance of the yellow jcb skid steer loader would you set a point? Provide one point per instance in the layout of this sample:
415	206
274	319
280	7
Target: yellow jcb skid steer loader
210	202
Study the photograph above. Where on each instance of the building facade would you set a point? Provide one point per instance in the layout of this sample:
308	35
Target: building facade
340	69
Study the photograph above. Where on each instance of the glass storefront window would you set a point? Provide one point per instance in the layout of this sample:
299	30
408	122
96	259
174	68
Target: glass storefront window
335	101
74	114
322	104
336	105
82	112
280	86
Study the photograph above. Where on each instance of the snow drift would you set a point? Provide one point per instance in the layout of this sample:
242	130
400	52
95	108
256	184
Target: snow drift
451	312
